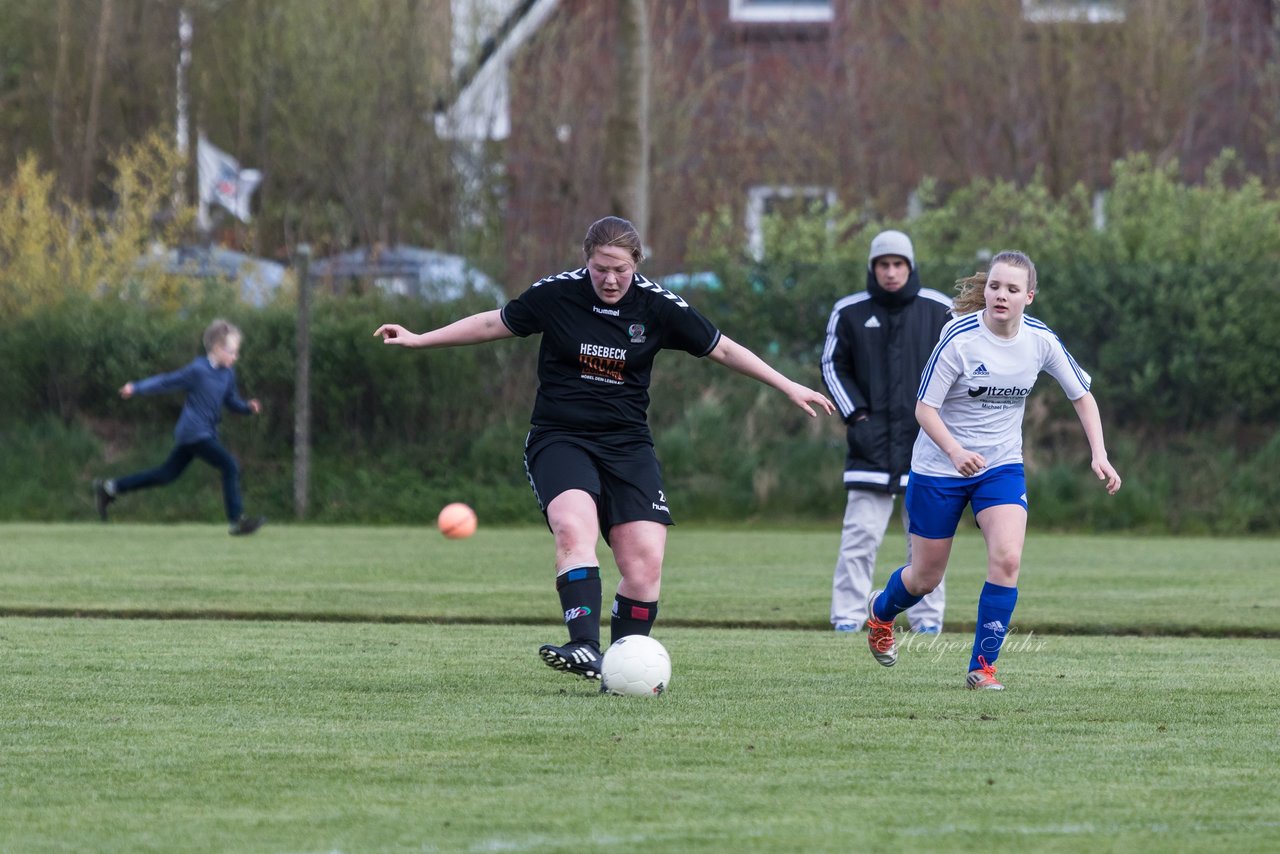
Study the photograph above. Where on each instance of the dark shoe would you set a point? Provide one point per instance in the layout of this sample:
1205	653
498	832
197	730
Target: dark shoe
247	525
101	498
580	659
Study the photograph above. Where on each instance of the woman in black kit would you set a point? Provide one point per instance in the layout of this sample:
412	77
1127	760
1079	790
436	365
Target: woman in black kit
589	454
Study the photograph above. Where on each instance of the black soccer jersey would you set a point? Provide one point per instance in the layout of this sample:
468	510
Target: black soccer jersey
595	359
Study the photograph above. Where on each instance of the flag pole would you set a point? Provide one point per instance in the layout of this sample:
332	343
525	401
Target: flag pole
185	32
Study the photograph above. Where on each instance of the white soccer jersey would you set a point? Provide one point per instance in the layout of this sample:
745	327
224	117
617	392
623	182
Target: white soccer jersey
980	382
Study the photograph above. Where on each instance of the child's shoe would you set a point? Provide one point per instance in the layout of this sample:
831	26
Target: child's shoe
246	525
101	498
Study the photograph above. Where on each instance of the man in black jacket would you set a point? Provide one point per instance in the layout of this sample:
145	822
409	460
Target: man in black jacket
877	344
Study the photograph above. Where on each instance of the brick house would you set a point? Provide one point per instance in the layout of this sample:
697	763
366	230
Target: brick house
758	106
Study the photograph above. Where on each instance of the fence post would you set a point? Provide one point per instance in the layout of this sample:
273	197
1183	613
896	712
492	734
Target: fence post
302	387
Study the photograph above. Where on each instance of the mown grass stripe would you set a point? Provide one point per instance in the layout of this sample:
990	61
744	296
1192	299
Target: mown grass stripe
953	627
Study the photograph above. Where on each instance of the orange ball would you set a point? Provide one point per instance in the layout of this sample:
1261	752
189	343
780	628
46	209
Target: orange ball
457	521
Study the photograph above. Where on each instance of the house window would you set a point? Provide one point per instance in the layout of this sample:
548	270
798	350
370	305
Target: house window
763	202
915	205
780	11
1073	11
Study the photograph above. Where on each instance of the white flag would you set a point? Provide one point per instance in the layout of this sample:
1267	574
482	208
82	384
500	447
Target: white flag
223	182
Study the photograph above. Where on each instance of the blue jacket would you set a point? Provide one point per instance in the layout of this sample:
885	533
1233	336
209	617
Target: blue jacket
208	390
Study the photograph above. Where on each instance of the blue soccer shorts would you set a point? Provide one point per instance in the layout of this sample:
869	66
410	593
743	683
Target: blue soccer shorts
935	504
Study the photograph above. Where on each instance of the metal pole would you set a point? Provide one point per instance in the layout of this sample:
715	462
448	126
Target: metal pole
302	388
185	31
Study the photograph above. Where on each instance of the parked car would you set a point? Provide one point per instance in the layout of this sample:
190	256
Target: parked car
705	280
407	271
259	279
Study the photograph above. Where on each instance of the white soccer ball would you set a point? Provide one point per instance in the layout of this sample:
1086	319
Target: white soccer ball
635	666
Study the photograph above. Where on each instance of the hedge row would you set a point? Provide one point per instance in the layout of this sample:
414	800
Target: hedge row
399	433
1172	306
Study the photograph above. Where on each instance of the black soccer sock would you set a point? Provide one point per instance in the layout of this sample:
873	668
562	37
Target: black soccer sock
579	590
631	617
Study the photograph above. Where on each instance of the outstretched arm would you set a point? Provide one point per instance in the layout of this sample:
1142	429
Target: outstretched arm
476	329
738	358
1087	410
159	384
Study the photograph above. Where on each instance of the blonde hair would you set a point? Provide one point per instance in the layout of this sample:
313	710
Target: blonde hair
218	332
970	291
613	231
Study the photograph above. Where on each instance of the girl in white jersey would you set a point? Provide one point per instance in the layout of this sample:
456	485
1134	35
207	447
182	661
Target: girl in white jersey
969	451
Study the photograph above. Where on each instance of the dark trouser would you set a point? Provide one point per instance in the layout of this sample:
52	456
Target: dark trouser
209	450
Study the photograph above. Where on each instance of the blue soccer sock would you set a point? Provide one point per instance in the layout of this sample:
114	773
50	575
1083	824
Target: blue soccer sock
579	590
995	610
894	599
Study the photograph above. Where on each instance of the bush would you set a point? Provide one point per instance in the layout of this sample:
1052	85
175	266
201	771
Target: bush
1171	309
52	250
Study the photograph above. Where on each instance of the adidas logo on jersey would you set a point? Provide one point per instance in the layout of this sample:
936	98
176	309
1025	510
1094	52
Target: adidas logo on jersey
872	323
980	371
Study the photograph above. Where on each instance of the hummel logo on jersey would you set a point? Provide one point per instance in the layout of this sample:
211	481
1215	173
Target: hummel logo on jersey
995	626
612	312
575	613
872	323
980	371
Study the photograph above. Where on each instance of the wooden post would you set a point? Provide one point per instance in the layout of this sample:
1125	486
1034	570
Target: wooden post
302	387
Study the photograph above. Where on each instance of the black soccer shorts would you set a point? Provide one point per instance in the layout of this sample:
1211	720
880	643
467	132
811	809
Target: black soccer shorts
622	474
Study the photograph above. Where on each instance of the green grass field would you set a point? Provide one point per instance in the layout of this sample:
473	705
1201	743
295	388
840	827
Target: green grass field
377	689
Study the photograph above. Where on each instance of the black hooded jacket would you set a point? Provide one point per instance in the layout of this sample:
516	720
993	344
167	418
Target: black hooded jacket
876	348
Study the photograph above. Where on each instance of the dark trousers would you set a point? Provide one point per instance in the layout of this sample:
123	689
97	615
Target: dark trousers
209	450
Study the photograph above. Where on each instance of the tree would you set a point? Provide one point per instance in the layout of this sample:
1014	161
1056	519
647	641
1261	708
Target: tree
332	100
102	44
627	130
